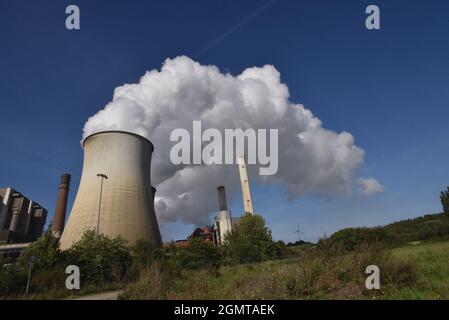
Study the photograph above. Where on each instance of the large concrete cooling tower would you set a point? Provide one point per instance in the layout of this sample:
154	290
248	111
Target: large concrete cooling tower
115	190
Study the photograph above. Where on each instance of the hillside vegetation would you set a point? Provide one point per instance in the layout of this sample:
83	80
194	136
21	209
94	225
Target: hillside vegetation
415	271
315	275
397	233
332	269
250	265
431	259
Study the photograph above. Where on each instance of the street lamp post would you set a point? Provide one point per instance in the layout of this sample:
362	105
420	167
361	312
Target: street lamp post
31	264
102	176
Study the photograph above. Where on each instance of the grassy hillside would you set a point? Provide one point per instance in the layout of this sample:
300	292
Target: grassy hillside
398	233
334	268
418	271
432	261
421	228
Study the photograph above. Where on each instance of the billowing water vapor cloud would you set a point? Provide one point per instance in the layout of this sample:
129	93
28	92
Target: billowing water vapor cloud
311	158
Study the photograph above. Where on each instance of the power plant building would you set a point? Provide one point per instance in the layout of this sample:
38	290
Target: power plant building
21	219
224	223
115	196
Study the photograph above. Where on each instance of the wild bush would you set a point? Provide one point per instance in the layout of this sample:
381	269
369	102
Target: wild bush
101	259
144	253
154	284
45	252
251	241
12	279
197	255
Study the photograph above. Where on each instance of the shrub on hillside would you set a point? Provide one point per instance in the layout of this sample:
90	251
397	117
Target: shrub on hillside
251	241
144	253
154	284
12	279
198	254
46	253
316	275
351	238
343	276
52	280
100	258
49	263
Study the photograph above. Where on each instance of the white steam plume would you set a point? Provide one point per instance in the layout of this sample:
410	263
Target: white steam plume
370	186
311	158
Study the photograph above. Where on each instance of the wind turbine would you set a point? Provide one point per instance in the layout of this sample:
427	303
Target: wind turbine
299	232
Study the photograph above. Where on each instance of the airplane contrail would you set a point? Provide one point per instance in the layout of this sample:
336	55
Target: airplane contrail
237	26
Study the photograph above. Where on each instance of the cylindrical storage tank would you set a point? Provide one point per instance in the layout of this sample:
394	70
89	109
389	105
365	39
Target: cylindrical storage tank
125	207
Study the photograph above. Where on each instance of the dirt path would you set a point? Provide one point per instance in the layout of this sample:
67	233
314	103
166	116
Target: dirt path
109	295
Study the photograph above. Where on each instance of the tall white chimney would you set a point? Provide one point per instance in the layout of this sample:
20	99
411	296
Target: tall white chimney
247	202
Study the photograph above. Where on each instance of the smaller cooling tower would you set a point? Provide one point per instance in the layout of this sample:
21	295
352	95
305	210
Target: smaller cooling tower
115	190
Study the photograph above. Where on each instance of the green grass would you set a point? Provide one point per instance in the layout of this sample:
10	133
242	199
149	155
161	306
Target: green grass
413	271
263	280
313	275
432	262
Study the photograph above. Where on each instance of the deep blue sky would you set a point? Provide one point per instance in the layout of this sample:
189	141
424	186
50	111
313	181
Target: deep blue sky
389	88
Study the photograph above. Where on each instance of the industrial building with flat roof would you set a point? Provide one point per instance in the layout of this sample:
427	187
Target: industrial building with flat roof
21	219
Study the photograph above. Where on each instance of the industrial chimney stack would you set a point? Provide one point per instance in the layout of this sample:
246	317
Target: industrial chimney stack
223	221
246	193
222	199
57	225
